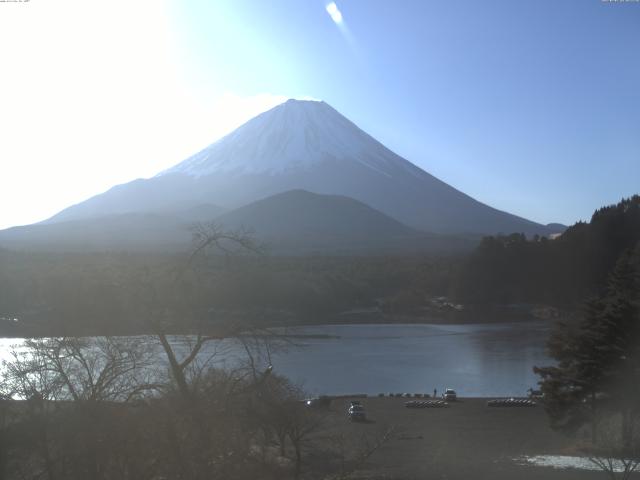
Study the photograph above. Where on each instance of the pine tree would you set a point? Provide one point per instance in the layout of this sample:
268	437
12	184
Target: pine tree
598	363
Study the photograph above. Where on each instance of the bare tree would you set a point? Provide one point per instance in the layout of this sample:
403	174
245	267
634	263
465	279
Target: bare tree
81	420
194	424
618	457
80	369
206	237
73	389
302	423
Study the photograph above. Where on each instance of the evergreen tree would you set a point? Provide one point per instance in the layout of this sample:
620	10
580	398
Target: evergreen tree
513	269
598	363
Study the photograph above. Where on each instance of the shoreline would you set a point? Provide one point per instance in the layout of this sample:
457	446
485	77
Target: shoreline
364	322
469	317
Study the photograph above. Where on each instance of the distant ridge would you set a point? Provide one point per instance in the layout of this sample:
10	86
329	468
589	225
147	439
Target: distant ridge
297	146
294	222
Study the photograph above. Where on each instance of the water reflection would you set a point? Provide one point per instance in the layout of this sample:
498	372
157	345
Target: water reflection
476	360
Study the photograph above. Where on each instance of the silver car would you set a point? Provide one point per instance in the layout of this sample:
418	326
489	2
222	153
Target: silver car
450	395
356	413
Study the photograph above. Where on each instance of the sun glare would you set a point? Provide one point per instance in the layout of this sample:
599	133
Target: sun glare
332	10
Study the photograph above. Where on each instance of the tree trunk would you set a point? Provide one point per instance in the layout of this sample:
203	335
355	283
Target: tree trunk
297	446
176	369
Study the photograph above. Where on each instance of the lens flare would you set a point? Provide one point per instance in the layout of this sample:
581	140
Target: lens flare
334	13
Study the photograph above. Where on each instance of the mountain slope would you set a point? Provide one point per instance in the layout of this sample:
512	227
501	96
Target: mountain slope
306	145
133	231
303	221
298	212
126	231
298	222
293	222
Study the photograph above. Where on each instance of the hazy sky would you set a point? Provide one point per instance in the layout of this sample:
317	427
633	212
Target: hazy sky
531	106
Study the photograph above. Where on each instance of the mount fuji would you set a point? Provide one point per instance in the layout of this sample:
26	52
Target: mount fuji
296	146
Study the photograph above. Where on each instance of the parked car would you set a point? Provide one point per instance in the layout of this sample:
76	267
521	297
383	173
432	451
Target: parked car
450	395
356	413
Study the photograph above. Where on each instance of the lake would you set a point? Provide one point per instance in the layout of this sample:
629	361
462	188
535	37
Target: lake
476	360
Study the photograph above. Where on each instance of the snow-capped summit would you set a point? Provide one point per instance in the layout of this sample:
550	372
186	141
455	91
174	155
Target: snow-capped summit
297	134
304	145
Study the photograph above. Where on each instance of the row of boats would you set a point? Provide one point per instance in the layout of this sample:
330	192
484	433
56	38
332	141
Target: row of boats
498	402
511	402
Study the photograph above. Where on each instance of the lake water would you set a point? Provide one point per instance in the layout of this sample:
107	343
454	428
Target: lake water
475	360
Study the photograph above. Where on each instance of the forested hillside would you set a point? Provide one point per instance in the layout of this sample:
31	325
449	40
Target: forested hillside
562	271
115	293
